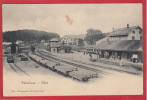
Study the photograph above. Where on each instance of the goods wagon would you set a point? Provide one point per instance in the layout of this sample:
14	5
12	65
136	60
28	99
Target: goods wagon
10	59
65	70
83	74
24	58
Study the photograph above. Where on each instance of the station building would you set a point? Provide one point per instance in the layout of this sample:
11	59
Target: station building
121	44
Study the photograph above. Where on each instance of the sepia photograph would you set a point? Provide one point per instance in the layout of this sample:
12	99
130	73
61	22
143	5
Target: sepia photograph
72	49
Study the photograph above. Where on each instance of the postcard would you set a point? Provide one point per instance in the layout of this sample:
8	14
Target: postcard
85	49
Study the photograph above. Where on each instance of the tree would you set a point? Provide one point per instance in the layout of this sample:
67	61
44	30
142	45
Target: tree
93	35
80	42
28	35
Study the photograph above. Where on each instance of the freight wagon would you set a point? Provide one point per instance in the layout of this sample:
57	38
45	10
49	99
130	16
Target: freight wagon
10	59
24	58
65	70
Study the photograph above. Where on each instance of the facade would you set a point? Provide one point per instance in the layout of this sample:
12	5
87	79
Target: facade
66	40
69	40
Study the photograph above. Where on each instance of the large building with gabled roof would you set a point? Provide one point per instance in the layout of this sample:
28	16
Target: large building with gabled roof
127	33
122	44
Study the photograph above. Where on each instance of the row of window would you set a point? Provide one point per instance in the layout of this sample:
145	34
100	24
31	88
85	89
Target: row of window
66	38
123	38
65	41
118	38
133	38
134	32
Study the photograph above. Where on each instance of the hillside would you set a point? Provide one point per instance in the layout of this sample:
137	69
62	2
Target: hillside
28	35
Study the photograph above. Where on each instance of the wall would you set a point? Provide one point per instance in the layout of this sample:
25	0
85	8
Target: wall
53	44
137	35
61	51
54	50
66	40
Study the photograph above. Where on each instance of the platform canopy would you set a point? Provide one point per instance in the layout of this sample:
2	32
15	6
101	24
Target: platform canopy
123	45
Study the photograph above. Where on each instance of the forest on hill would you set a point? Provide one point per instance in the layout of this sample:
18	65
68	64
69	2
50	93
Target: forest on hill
28	35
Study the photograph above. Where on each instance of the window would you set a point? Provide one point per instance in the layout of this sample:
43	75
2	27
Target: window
133	32
134	56
121	38
139	32
133	38
140	38
125	37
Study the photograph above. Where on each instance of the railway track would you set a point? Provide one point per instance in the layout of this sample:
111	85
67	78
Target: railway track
93	65
17	69
67	62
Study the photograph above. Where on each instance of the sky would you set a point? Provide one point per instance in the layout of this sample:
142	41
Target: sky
67	19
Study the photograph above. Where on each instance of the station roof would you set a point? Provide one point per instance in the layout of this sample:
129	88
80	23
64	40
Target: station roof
123	31
13	44
123	45
54	40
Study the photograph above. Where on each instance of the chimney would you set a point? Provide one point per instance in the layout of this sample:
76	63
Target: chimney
113	28
127	25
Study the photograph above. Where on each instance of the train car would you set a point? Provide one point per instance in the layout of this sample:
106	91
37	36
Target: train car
19	55
24	58
5	52
44	62
69	71
24	48
64	70
10	59
83	74
52	66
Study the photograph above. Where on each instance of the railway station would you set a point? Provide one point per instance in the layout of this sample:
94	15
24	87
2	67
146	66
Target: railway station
110	54
70	67
64	68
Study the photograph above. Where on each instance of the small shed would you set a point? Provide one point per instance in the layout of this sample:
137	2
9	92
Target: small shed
14	48
54	45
